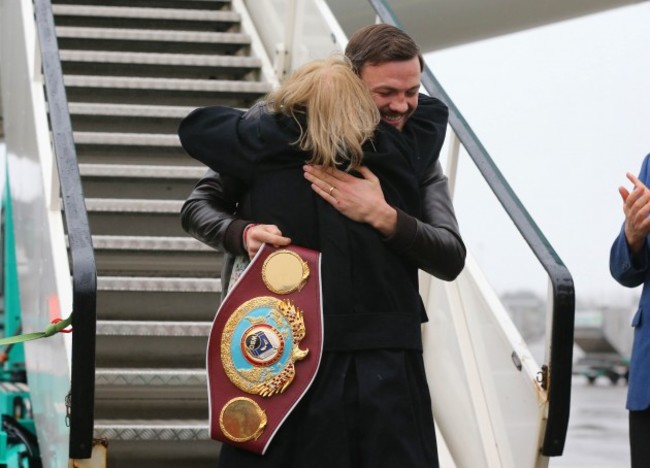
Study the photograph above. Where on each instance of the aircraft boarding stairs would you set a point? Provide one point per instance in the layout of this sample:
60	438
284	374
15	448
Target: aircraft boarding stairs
132	69
157	288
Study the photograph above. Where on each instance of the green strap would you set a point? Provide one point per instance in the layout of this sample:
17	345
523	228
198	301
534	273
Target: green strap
51	329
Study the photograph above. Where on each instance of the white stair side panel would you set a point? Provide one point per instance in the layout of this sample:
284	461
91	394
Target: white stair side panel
490	413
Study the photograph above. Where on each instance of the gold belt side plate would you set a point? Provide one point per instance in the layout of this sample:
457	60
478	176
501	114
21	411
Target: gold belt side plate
284	272
242	419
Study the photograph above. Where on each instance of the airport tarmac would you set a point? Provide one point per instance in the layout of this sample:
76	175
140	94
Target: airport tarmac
598	426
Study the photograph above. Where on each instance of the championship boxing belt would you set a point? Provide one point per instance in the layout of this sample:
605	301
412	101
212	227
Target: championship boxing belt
265	346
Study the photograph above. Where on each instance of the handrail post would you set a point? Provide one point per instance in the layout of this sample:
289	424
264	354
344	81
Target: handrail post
452	162
288	54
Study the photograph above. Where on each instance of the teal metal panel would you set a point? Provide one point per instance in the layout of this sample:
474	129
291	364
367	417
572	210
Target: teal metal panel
15	360
18	442
41	257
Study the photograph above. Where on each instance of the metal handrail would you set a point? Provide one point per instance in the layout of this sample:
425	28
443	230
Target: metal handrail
558	380
83	269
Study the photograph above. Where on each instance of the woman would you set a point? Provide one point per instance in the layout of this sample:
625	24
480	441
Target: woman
369	405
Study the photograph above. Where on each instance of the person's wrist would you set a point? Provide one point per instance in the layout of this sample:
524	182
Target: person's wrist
246	232
635	242
385	220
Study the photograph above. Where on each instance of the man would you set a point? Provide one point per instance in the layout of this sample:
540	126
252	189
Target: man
371	380
629	264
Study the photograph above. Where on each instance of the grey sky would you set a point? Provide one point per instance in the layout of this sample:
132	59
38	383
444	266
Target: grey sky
564	111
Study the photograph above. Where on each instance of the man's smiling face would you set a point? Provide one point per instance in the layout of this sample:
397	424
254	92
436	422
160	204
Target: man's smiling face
394	87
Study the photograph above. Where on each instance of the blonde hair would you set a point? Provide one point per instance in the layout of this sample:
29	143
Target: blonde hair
340	112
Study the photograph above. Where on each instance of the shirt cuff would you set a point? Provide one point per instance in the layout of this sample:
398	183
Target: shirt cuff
639	260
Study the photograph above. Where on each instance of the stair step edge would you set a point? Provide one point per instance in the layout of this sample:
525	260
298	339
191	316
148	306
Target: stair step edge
150	377
113	205
158	284
141	171
149	243
129	110
145	58
145	13
160	35
152	329
165	84
150	430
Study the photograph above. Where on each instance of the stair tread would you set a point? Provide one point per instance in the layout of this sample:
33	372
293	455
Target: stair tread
166	430
150	58
151	328
159	3
154	283
149	243
130	110
170	84
127	139
150	377
112	205
152	422
144	13
160	35
141	171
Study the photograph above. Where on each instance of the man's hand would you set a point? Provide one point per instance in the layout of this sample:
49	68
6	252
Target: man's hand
360	199
636	206
258	234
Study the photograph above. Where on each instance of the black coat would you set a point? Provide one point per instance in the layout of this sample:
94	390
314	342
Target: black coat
370	286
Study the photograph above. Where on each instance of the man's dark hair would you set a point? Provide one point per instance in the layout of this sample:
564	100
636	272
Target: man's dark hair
381	43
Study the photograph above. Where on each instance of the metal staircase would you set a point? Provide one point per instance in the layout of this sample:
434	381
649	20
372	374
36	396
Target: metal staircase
132	70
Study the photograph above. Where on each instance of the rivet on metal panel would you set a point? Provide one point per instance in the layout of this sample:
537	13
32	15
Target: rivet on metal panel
516	360
542	377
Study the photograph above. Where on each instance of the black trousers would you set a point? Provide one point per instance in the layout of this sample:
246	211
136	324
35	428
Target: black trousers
366	409
640	438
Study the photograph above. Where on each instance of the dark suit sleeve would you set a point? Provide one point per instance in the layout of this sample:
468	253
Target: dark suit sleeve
628	269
